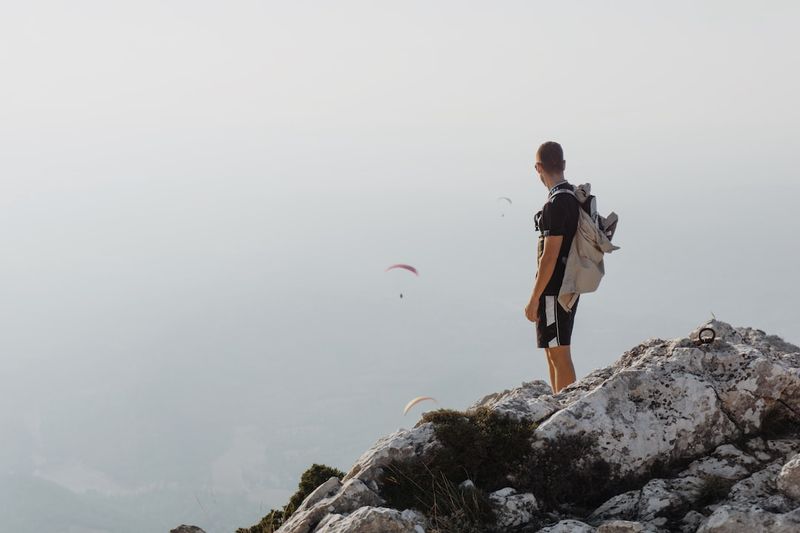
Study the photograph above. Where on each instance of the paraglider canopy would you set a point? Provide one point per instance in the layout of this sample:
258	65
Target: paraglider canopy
415	401
404	267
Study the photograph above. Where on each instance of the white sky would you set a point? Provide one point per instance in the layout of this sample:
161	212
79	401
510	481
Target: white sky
198	200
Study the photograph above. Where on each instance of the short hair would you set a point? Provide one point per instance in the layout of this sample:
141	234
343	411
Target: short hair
552	156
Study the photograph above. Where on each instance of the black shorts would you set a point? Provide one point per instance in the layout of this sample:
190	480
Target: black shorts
554	326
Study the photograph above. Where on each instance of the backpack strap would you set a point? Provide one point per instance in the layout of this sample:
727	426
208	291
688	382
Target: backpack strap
560	191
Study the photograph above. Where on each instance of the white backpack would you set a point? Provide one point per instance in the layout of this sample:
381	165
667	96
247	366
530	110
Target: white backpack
584	268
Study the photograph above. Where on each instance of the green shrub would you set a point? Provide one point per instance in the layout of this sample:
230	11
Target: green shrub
270	523
568	471
779	421
713	489
449	508
312	478
481	445
496	451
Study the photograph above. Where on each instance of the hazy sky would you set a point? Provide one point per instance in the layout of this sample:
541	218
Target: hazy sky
199	199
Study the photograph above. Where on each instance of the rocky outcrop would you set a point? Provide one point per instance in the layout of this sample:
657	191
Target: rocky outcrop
667	400
373	520
354	504
731	520
689	429
513	509
332	498
568	526
183	528
401	444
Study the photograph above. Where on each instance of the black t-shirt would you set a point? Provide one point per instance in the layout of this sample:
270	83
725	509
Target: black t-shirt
559	216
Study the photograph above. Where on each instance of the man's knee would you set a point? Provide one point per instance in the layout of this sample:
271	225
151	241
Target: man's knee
559	353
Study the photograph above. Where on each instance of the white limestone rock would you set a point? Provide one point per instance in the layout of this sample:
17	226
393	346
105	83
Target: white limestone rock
665	400
642	415
513	509
325	490
656	498
691	521
568	526
755	488
784	448
661	495
755	504
532	401
403	443
727	519
726	461
374	520
351	495
359	487
621	526
789	478
753	500
623	506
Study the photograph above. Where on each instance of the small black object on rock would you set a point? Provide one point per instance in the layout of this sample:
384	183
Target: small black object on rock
709	336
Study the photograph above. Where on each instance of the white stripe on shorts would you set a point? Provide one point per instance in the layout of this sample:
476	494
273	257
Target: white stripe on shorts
550	309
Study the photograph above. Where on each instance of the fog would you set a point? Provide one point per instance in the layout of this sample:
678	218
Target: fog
199	199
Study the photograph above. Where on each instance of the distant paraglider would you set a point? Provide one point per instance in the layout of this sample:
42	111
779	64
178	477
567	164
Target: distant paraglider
403	266
415	401
504	199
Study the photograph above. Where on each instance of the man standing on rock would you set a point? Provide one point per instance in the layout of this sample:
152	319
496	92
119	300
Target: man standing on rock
557	221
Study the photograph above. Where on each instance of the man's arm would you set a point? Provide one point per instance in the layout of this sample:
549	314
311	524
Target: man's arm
547	265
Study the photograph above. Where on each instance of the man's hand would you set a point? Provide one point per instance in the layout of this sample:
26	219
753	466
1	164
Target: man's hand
532	310
545	269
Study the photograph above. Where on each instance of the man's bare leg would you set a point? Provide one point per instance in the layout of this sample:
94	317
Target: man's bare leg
552	367
565	371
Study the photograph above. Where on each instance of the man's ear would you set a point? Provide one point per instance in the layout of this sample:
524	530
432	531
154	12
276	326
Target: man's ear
564	165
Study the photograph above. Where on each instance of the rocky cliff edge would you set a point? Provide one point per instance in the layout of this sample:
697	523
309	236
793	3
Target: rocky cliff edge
676	435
